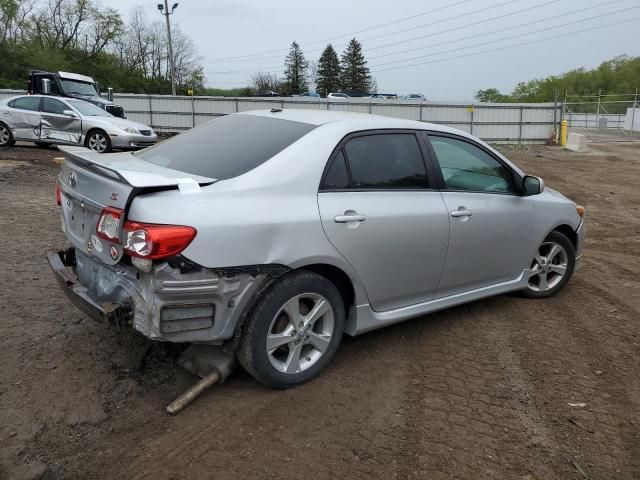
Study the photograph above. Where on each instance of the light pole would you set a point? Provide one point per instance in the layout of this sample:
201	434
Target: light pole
164	10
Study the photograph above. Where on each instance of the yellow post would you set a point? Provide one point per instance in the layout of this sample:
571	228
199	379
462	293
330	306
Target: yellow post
563	133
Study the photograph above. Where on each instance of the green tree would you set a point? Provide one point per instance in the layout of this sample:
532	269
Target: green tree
618	76
491	95
328	72
355	73
295	70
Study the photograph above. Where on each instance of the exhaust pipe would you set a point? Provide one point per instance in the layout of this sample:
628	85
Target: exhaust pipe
211	363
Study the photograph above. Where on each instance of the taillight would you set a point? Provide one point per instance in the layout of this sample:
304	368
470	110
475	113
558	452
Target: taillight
108	224
153	241
58	194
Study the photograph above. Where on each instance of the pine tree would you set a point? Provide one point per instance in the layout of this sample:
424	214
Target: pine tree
295	70
328	72
355	73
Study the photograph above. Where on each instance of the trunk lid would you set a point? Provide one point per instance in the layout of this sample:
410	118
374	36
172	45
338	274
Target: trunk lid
90	181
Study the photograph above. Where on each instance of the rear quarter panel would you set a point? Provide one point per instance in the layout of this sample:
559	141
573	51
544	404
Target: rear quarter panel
266	216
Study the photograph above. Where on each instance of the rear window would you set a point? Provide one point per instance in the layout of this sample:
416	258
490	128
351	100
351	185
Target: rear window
226	147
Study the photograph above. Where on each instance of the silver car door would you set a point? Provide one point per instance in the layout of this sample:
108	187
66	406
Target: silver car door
378	211
58	126
491	237
23	117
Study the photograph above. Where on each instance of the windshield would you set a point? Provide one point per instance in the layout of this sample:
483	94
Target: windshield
88	109
79	88
226	147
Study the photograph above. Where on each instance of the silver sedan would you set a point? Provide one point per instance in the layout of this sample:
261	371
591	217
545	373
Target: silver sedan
275	232
48	120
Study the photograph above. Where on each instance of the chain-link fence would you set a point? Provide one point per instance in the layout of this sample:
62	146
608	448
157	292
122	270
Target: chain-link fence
604	118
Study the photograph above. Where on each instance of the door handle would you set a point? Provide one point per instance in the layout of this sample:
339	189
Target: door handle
349	217
461	212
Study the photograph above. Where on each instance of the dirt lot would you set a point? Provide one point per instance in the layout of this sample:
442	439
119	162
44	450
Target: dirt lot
480	391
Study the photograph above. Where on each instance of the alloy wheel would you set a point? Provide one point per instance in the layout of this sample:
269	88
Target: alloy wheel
5	135
549	267
300	333
98	142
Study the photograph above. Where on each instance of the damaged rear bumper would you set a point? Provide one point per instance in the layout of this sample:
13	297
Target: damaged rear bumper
68	282
170	303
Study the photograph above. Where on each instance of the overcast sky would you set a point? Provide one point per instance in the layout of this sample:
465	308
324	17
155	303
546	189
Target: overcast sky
241	36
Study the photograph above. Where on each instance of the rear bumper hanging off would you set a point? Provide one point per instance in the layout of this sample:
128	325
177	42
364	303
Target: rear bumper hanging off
115	314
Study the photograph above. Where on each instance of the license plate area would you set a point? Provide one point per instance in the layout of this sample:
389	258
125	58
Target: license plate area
79	224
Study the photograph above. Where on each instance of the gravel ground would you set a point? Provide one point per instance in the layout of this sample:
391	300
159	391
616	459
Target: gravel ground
501	388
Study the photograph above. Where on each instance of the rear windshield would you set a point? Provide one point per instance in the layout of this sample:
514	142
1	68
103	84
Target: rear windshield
226	147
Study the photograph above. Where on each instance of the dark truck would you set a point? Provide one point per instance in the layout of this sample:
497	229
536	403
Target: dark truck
73	85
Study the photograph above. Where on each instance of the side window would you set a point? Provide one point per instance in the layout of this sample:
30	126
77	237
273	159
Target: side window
466	167
390	160
337	176
51	105
26	103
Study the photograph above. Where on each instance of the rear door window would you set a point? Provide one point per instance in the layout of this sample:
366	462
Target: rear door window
386	161
226	147
26	103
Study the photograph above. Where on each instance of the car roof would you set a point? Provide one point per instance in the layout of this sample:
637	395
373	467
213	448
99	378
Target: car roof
357	121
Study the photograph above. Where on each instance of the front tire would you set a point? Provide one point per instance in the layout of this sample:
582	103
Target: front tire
98	141
293	330
551	267
6	137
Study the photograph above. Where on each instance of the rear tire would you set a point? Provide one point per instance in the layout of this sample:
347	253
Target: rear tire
98	141
293	331
6	137
552	266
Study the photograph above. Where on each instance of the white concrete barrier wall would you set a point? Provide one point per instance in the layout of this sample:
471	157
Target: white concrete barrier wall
576	142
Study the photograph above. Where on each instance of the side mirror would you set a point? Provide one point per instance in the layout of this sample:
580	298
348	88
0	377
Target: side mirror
69	113
532	185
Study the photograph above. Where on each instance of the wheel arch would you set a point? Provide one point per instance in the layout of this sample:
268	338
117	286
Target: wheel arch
95	129
92	130
339	278
568	232
347	288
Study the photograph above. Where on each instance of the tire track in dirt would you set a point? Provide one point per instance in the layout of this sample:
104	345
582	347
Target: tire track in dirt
465	385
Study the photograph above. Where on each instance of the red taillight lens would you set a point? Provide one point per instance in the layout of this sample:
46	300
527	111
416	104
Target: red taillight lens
153	241
108	225
58	194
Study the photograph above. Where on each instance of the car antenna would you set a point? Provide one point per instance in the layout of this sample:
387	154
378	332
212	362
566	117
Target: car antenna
276	110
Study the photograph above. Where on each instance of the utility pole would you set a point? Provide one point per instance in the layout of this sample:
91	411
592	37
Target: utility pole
164	10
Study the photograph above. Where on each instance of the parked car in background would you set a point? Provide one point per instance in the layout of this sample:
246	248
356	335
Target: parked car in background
415	96
240	243
267	93
338	95
310	94
73	85
47	120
